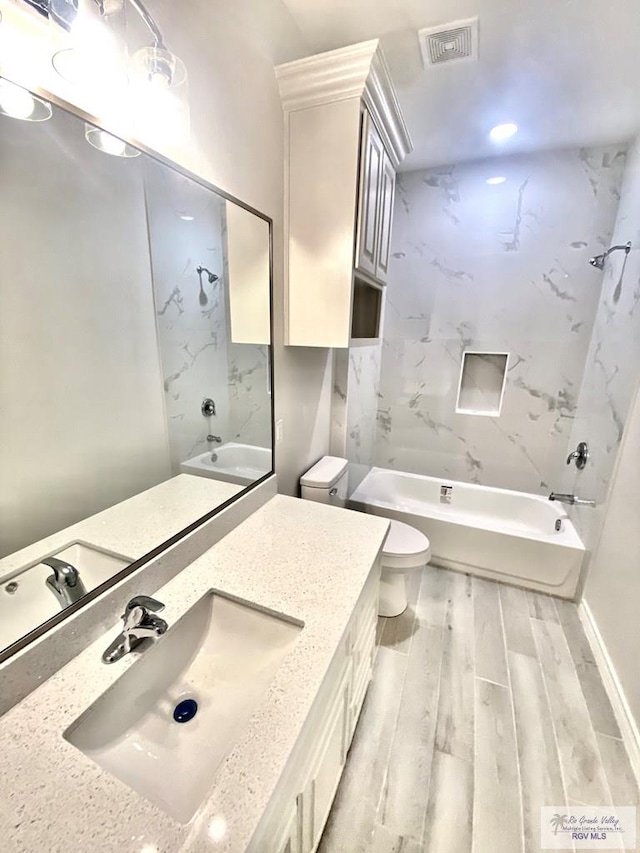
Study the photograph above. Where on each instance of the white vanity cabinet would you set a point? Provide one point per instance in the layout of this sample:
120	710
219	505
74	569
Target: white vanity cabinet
345	137
298	811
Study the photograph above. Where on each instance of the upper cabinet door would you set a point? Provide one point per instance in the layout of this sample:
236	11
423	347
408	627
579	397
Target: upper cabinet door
368	227
385	217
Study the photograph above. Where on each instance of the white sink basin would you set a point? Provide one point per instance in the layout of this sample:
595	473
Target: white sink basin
234	463
223	654
26	601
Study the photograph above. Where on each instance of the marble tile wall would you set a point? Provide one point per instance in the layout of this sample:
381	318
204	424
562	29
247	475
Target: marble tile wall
192	331
362	409
490	268
613	361
198	356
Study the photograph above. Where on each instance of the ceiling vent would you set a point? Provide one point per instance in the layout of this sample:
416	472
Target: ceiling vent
450	42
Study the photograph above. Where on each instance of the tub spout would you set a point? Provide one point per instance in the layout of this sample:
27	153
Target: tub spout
572	500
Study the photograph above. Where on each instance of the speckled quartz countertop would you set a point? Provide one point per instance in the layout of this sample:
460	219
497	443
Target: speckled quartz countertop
135	526
302	559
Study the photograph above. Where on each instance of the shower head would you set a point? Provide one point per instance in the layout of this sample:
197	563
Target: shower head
598	260
211	276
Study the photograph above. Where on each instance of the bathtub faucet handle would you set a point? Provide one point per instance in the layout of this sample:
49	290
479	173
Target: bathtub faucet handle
580	455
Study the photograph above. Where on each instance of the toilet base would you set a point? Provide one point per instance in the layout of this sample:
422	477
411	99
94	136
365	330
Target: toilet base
393	594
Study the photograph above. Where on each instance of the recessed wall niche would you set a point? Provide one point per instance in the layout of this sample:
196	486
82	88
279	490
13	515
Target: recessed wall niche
482	383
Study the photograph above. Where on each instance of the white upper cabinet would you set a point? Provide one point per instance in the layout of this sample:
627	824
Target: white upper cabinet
375	209
345	137
386	193
371	158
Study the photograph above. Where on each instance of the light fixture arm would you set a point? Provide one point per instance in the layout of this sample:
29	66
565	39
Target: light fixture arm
146	16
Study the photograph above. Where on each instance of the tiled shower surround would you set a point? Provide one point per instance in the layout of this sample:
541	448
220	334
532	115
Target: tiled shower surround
197	354
613	361
489	268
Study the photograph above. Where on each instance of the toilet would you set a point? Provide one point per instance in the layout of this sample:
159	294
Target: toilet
405	549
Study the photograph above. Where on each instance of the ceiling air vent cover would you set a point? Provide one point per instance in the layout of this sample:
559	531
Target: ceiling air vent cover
449	42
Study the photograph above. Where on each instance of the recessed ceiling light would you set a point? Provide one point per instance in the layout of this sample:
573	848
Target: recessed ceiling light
499	179
503	131
186	217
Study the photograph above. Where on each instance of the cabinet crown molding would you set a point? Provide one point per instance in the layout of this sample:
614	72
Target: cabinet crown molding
357	71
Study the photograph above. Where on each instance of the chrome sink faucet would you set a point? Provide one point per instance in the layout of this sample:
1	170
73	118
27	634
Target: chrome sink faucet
139	624
572	500
65	582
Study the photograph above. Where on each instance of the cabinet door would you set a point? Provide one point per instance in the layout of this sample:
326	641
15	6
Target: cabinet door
289	840
372	153
385	217
326	769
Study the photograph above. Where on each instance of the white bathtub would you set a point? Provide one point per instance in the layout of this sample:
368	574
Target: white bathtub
494	533
235	463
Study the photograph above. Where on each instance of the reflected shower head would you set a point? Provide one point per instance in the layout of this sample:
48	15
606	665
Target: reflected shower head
598	260
210	275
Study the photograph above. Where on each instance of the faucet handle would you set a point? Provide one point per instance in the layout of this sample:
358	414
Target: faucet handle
145	602
133	617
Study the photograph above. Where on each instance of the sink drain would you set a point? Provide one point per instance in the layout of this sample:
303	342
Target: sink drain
185	710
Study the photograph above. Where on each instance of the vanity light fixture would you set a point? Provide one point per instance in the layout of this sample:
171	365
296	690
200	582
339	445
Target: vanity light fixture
160	96
92	52
153	86
107	143
17	102
502	132
493	182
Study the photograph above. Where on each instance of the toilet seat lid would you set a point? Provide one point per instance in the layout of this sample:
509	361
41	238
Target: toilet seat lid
405	541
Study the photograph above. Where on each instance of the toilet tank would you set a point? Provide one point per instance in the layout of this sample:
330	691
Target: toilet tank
327	482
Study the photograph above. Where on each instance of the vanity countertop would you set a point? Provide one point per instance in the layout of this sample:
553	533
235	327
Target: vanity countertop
302	559
134	526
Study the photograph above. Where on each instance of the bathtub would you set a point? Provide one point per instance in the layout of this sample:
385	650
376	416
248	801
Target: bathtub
494	533
235	463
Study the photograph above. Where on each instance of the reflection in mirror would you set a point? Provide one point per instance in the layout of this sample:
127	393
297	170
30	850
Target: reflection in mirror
204	355
134	360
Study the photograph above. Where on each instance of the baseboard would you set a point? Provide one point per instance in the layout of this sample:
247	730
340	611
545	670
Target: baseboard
628	726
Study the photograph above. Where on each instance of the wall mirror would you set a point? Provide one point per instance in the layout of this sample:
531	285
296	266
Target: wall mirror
135	357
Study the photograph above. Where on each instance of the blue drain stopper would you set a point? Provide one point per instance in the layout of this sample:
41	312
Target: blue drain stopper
185	710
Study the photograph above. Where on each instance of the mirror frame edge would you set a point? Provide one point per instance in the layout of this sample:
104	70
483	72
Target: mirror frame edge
45	627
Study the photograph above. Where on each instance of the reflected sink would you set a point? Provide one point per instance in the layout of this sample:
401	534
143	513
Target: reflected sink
26	601
223	654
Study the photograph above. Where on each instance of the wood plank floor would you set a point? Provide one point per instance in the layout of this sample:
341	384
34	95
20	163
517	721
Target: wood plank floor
486	704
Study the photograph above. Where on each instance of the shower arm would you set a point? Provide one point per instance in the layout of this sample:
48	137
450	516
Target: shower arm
626	249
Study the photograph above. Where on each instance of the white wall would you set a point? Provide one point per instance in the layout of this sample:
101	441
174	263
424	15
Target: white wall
237	143
82	422
612	589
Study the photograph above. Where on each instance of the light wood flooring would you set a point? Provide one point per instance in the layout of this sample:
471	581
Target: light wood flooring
486	703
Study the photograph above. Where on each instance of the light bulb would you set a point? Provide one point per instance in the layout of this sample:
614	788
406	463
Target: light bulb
499	179
16	101
107	143
112	145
